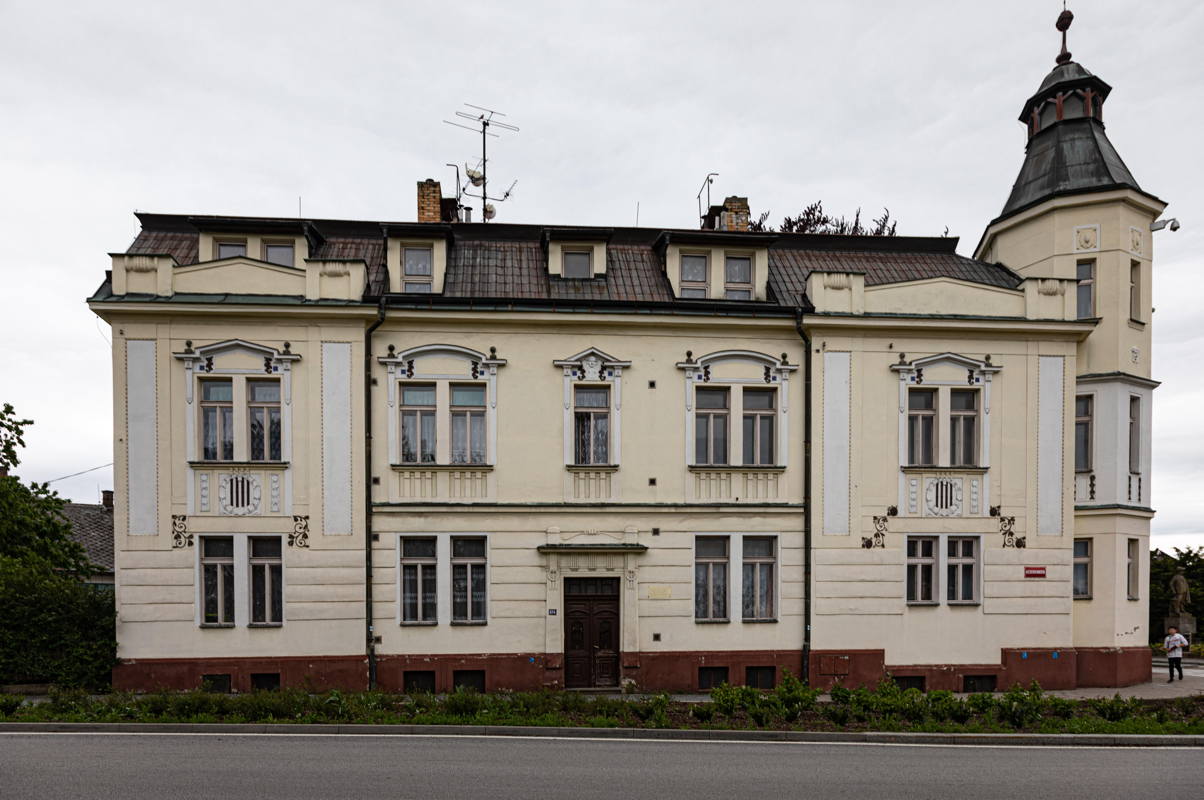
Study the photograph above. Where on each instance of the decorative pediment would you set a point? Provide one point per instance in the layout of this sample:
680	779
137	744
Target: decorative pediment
204	358
976	371
592	364
774	370
404	363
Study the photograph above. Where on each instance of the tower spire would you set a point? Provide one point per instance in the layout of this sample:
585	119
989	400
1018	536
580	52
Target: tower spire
1063	24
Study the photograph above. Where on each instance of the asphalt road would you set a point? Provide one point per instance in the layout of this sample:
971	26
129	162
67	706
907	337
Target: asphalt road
266	767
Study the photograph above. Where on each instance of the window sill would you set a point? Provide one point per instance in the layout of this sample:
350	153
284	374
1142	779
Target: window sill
441	467
260	464
592	467
1083	597
711	621
970	603
923	603
935	468
265	624
1136	324
747	621
735	468
420	623
470	623
217	625
1086	471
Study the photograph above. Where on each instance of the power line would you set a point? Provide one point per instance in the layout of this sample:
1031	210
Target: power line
85	472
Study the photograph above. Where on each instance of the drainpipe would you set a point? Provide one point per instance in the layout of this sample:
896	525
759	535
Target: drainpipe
370	632
798	323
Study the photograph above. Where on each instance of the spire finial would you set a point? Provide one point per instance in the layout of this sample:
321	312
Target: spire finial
1063	23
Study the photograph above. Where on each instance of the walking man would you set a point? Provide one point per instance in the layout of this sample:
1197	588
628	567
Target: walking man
1173	645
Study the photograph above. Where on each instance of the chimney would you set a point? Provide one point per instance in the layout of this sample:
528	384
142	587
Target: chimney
430	201
106	499
734	216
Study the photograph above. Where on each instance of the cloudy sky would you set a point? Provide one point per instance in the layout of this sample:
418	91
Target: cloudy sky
243	107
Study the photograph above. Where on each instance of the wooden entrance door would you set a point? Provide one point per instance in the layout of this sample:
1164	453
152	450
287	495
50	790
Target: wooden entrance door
591	632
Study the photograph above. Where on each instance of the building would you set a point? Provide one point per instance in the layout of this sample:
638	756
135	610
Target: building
92	528
437	453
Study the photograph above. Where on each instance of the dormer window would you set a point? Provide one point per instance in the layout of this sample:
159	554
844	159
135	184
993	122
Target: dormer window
419	275
231	248
694	269
278	253
737	278
578	264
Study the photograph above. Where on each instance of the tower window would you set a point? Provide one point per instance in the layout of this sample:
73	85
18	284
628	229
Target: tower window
1135	291
1086	289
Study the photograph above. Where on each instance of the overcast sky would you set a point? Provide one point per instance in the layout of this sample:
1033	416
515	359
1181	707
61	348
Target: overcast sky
242	107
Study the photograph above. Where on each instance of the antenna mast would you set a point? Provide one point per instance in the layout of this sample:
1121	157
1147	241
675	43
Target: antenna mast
483	119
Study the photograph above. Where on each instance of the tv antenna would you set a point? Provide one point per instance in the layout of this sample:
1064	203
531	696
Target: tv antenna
482	119
706	187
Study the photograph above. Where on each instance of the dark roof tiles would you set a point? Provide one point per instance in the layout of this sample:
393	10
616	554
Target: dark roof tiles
92	527
182	246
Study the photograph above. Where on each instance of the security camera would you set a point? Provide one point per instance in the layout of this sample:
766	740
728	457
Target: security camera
1174	224
1162	223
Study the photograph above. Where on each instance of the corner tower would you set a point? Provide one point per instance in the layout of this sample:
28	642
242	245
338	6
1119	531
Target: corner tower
1076	211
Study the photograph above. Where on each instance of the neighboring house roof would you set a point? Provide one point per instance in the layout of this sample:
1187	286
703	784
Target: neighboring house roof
499	261
92	527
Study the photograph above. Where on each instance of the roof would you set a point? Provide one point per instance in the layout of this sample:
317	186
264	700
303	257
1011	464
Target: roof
92	527
1071	157
500	261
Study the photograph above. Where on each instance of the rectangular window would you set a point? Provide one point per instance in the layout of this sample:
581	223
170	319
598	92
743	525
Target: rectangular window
760	677
1086	289
417	269
578	264
921	427
695	273
1082	568
963	428
278	253
710	426
711	677
418	582
737	278
231	249
468	423
418	424
217	573
759	416
1134	434
1132	574
591	415
468	579
961	564
1135	290
217	420
710	578
267	581
757	590
921	569
263	410
1084	408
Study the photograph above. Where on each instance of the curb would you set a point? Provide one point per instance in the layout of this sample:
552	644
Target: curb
814	737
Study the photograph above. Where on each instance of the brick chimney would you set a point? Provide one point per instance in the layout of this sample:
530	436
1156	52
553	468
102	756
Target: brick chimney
106	498
735	214
430	199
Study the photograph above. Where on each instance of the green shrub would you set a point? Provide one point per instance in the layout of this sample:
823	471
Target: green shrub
464	702
703	712
54	629
66	701
837	713
980	703
1021	707
795	697
1116	708
9	703
840	695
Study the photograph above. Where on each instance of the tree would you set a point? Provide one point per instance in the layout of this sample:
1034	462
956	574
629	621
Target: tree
813	219
31	525
55	628
1162	567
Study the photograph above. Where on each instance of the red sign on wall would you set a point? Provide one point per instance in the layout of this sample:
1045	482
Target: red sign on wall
1034	572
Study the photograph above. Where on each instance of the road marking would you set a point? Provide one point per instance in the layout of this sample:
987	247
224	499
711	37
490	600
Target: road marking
620	740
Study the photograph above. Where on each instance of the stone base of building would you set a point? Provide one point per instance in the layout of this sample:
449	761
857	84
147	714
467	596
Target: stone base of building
1052	668
672	671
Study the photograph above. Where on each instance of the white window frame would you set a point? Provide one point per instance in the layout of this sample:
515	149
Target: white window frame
1135	434
941	562
916	443
565	252
1089	421
1087	561
265	562
419	412
591	368
266	244
443	580
959	562
711	414
757	415
409	283
1087	283
956	431
242	580
267	407
219	405
919	561
1133	569
711	561
733	286
407	367
594	412
703	286
1135	290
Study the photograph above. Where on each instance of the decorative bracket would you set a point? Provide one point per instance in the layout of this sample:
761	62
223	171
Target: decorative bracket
879	537
1007	527
300	535
180	537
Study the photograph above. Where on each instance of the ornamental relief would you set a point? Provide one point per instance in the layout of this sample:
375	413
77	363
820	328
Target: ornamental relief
1086	238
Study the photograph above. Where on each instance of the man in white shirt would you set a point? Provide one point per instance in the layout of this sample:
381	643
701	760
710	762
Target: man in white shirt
1173	644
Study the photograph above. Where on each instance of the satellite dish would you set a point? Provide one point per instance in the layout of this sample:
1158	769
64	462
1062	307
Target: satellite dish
490	211
474	176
